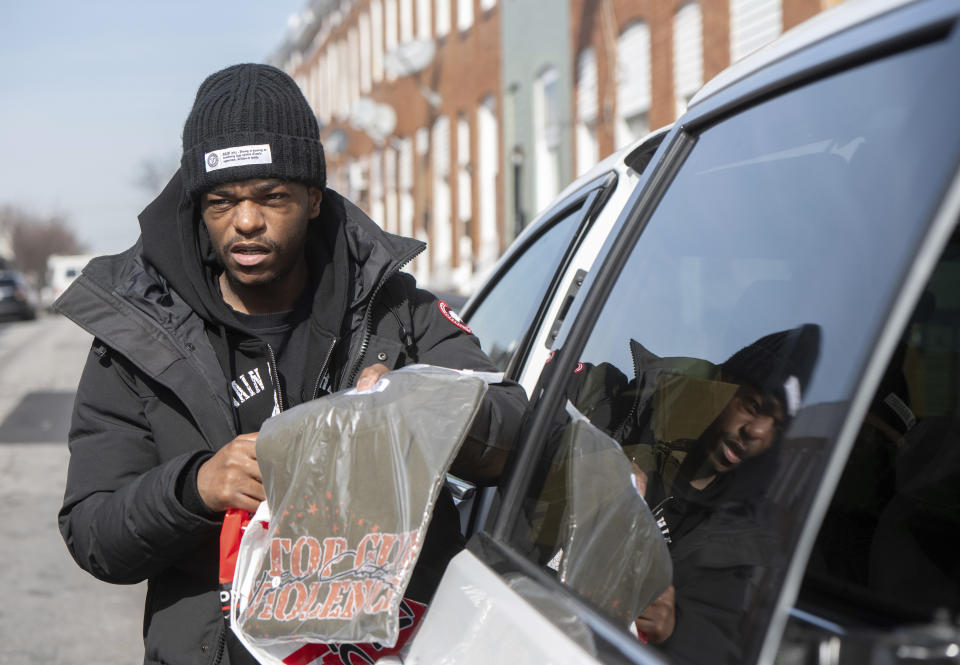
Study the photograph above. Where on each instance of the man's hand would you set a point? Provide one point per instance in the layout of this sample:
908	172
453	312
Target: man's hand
369	377
658	620
231	478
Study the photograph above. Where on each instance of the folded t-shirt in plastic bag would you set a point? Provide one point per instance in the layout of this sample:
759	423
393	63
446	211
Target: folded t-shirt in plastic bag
613	552
350	481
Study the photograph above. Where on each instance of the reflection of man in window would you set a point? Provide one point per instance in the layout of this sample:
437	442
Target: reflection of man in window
705	438
709	491
745	429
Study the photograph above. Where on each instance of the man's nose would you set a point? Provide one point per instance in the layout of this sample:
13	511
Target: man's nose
760	427
248	218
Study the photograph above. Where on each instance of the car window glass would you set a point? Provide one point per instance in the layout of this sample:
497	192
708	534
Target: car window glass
505	313
723	360
882	557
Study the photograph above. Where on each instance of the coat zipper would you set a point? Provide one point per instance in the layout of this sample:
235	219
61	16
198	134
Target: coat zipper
368	316
221	644
323	367
618	433
275	377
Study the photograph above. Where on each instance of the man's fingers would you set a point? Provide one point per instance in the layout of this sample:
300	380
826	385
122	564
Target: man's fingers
370	375
231	478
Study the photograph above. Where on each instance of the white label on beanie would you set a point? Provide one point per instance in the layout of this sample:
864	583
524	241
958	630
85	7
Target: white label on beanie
791	388
239	156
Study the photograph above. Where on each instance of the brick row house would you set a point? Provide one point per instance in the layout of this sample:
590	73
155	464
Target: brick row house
457	121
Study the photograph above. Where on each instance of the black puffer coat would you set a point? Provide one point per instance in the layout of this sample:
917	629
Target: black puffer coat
153	399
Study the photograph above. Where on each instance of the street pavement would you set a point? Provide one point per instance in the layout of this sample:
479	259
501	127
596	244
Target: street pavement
54	612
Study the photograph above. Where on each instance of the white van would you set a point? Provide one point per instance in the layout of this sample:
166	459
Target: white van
62	269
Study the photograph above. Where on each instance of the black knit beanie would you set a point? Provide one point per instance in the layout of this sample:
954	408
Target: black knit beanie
781	363
250	121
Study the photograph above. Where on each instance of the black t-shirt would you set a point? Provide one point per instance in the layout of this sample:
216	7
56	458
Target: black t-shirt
279	339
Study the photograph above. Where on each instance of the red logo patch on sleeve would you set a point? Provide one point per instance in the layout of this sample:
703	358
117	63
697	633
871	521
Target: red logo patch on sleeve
452	317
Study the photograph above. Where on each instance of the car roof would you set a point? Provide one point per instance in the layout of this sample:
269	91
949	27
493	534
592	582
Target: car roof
817	28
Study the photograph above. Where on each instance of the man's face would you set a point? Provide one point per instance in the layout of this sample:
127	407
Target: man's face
258	227
746	428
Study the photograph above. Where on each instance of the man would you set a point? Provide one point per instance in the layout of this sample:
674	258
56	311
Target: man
710	492
252	288
703	439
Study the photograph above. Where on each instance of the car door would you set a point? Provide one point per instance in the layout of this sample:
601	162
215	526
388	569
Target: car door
529	293
729	347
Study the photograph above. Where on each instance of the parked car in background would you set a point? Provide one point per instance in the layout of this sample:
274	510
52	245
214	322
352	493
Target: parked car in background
17	298
752	318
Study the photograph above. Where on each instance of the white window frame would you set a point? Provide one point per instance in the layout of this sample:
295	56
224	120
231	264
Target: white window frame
687	54
424	19
464	15
753	24
634	79
588	152
376	38
406	21
442	217
363	26
546	134
488	170
441	18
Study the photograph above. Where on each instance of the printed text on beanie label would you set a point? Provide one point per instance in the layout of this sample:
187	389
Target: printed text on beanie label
238	156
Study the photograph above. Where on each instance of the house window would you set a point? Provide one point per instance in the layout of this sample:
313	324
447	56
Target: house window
633	84
546	128
353	60
363	22
464	179
376	37
406	20
441	235
405	167
687	55
587	151
343	82
464	15
376	187
753	23
390	189
390	29
424	19
488	168
442	17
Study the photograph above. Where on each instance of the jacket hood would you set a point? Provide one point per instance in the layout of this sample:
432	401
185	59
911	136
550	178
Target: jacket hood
176	244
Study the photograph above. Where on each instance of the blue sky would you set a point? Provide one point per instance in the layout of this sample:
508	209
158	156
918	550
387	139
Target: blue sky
92	90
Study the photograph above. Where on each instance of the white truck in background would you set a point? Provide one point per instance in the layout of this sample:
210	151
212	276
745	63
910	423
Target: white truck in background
62	269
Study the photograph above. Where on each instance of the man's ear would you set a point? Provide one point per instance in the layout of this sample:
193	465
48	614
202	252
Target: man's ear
315	200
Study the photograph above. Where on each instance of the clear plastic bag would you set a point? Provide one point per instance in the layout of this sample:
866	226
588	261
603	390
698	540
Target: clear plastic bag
614	553
351	480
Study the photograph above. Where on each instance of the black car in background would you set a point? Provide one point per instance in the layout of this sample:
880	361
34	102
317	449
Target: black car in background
16	297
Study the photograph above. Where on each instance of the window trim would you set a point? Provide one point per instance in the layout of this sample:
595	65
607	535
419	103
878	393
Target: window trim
633	220
592	197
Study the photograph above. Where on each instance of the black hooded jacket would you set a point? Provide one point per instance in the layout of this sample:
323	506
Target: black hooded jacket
155	401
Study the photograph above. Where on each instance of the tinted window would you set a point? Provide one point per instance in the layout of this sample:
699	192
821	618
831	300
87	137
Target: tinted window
722	363
505	313
882	556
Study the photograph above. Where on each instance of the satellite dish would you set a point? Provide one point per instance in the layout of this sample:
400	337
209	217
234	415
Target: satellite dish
376	119
409	57
336	142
